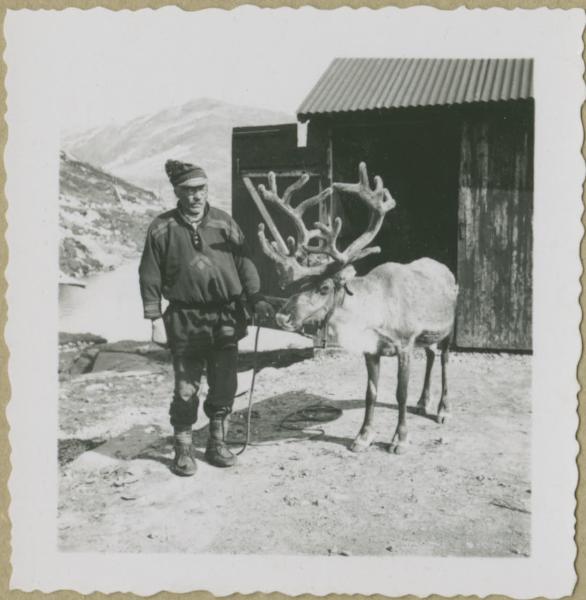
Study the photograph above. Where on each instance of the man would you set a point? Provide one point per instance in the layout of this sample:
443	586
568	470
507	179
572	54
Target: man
196	257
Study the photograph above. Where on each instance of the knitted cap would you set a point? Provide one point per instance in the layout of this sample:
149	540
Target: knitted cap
185	174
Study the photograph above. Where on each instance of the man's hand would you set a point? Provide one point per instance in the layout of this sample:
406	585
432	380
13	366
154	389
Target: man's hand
159	335
264	311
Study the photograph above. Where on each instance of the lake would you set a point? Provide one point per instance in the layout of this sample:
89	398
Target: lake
109	306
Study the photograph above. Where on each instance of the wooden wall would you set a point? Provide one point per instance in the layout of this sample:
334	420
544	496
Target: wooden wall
463	180
495	242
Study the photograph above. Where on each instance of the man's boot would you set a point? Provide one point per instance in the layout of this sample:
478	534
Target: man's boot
183	464
217	453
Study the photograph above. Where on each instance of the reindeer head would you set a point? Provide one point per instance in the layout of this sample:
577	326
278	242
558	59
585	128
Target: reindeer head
310	265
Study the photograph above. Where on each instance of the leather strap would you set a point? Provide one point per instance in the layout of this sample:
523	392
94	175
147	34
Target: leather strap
339	297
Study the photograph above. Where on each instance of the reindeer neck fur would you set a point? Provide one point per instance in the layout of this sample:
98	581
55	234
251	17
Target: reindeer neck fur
394	307
356	321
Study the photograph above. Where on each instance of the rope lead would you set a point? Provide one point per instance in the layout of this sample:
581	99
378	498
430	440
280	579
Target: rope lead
251	392
316	413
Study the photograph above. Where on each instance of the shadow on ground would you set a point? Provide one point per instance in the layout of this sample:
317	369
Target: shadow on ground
282	418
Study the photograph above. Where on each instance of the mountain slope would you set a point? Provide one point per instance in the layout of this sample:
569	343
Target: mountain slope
102	218
198	132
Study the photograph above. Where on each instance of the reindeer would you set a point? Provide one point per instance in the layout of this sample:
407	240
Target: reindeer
387	312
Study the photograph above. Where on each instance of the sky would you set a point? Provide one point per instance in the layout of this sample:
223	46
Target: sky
116	66
109	66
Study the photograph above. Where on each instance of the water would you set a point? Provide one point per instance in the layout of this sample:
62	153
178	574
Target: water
109	306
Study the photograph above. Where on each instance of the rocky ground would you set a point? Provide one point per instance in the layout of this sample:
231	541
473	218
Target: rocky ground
461	489
102	218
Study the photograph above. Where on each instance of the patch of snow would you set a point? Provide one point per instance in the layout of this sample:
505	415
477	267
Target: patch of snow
274	339
71	201
97	251
76	218
134	208
93	461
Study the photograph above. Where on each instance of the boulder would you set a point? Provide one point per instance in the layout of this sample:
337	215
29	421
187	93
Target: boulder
121	361
83	361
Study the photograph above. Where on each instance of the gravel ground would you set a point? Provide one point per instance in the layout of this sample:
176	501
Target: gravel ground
462	488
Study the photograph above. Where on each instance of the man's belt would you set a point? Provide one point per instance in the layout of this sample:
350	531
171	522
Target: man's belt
203	305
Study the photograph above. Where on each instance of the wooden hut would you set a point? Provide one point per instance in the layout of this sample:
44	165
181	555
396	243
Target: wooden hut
453	141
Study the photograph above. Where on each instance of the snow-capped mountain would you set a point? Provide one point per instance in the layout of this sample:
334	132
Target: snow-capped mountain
197	132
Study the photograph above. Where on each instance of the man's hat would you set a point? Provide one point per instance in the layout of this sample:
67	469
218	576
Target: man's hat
185	174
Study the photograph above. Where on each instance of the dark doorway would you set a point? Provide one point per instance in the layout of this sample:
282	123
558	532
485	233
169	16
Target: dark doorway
417	157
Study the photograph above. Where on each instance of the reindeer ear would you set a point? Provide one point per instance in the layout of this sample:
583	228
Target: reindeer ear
345	275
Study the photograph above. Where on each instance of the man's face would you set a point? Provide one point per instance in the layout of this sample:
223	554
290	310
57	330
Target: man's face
192	199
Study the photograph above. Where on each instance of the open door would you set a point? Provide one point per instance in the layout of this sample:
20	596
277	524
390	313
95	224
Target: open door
255	152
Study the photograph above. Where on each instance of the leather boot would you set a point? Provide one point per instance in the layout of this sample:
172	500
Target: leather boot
217	453
183	464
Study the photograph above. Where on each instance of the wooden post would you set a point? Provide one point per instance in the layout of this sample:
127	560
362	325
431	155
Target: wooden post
320	339
265	215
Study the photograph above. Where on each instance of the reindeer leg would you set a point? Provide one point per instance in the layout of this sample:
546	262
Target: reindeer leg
399	442
424	399
443	411
366	433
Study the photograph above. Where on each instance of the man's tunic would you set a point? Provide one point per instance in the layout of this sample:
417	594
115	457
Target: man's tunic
205	272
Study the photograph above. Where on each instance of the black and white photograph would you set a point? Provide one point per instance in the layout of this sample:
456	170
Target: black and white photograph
299	290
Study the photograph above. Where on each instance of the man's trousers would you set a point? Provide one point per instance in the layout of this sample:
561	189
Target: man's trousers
221	366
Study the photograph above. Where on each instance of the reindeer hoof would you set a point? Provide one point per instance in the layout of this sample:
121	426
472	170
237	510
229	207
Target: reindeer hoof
442	417
361	443
421	410
397	448
358	447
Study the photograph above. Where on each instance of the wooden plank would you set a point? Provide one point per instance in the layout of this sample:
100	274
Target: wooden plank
496	240
281	173
66	280
265	215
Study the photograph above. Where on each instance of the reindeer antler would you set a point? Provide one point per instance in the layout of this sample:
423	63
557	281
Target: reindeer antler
289	267
304	236
379	201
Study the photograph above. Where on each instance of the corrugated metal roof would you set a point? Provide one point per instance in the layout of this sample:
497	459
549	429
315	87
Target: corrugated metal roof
357	84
